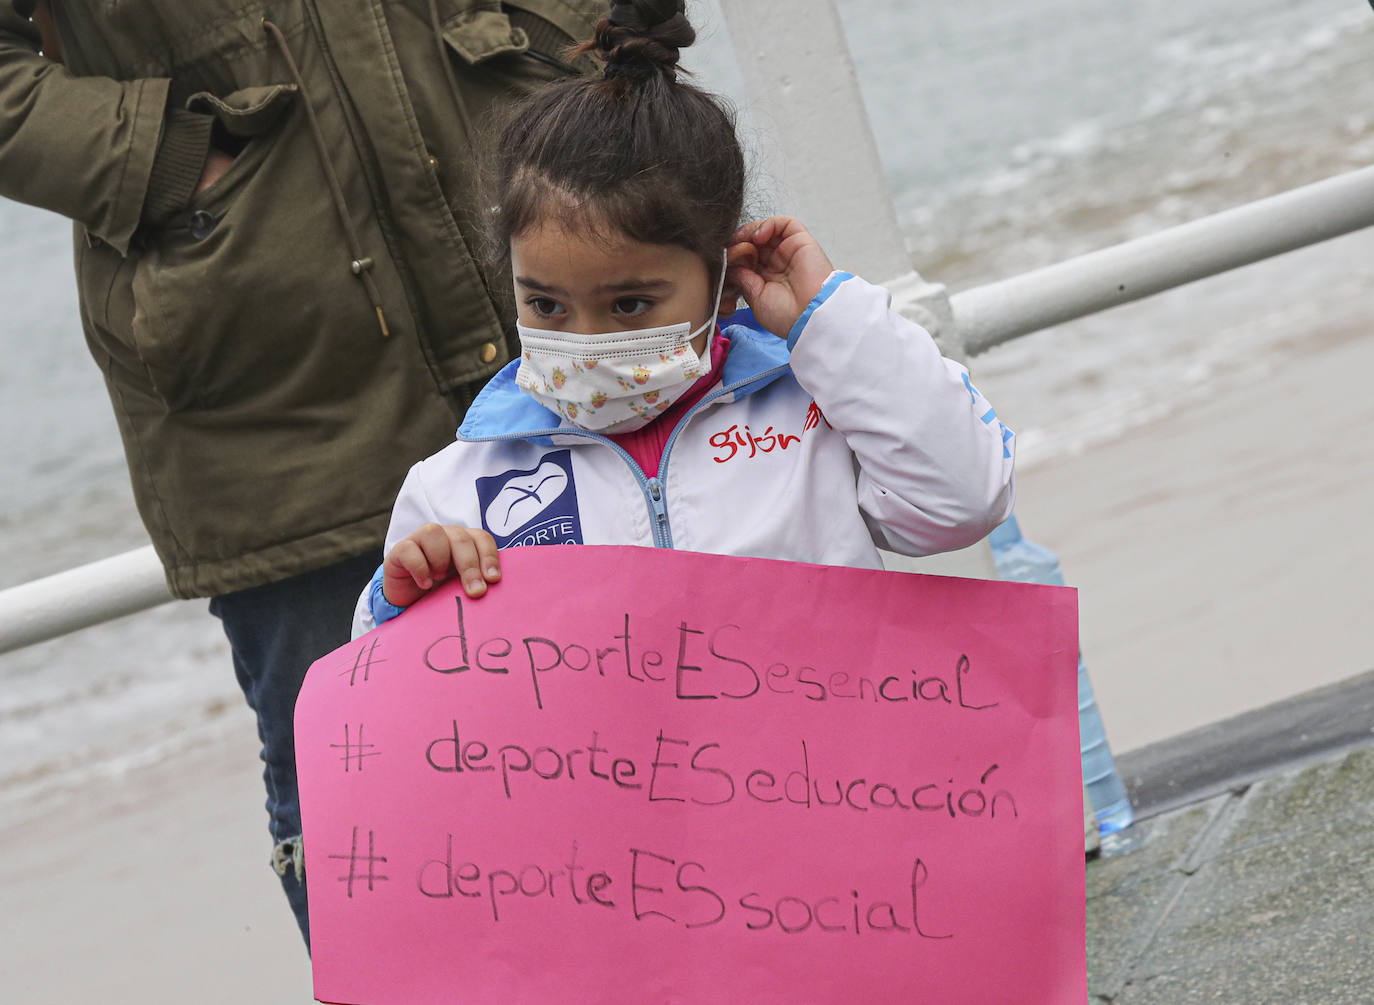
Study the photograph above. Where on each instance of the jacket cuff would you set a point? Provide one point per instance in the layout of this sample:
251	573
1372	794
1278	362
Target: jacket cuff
382	609
178	164
831	284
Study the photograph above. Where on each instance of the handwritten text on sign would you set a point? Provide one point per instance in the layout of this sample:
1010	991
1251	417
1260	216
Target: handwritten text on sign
629	775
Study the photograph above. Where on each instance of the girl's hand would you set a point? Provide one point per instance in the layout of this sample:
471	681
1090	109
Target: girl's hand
779	268
433	553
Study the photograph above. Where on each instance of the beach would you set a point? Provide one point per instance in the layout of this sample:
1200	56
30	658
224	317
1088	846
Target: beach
1222	554
1216	551
153	888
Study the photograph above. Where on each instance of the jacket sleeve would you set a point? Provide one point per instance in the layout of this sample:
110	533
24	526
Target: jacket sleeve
412	509
102	152
935	465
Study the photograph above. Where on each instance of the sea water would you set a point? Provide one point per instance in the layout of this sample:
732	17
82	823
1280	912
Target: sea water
1014	136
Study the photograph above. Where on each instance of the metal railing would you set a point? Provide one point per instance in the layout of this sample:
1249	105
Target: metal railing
78	598
989	315
984	317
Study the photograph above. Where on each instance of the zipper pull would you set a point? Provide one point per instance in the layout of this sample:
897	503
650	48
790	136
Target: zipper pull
660	508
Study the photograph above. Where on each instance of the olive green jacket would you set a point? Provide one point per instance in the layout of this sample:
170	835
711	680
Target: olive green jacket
280	347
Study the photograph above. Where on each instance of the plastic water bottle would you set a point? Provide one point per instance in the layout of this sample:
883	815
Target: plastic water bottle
1027	562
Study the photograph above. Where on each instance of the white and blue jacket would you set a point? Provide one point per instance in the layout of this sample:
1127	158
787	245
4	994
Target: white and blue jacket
853	434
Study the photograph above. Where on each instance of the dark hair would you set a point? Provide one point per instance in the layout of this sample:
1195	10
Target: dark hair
633	151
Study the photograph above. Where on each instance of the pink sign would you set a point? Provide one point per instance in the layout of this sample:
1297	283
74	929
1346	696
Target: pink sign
637	775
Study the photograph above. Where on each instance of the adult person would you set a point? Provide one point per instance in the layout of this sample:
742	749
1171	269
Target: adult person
277	276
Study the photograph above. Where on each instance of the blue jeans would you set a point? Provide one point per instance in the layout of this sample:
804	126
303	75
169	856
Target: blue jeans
276	631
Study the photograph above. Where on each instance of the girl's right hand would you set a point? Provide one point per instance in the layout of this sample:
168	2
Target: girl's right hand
431	555
779	268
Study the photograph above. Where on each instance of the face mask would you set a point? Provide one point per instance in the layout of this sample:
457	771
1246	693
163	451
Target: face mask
614	382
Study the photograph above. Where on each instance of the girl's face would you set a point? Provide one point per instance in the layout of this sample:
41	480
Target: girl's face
587	285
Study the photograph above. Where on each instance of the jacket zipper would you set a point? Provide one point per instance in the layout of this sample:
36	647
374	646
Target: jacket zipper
372	178
663	536
655	490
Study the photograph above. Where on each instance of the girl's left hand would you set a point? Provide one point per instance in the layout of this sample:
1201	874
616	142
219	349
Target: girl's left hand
779	268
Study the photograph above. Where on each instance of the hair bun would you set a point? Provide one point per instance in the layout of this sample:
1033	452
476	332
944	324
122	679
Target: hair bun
638	38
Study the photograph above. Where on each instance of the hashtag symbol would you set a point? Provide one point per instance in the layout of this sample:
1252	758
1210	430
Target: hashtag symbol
362	663
371	860
355	752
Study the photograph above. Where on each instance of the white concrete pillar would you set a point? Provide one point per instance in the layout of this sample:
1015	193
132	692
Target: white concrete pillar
818	150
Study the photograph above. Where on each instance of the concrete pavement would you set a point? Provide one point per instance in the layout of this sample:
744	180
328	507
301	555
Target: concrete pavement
1261	892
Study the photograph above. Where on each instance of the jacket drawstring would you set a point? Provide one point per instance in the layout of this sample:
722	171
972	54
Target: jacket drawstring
361	264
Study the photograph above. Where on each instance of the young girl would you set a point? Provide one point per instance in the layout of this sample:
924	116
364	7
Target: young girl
817	427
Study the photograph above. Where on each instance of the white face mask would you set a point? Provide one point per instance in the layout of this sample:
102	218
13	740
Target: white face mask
613	382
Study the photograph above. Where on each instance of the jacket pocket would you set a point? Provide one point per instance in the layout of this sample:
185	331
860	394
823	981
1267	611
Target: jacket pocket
541	30
246	292
247	116
248	112
552	25
478	35
106	279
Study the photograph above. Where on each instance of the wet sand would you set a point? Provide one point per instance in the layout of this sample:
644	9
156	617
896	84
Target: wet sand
1220	556
153	888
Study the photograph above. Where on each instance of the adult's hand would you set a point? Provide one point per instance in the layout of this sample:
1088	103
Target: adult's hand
216	163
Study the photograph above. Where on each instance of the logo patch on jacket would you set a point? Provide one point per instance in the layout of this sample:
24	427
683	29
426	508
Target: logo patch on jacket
814	417
534	506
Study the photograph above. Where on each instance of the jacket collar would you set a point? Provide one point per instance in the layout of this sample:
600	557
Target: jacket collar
503	411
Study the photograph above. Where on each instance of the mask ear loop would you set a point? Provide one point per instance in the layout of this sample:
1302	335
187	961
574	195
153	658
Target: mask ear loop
715	311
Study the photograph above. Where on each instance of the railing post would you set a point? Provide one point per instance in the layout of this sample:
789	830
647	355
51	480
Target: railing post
818	148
